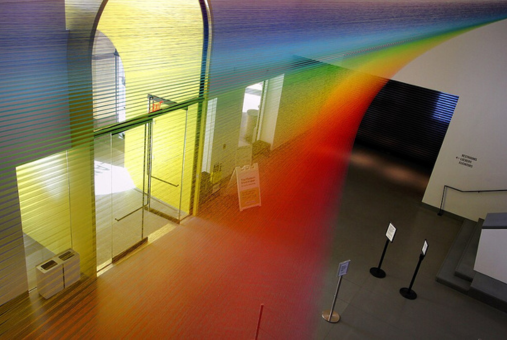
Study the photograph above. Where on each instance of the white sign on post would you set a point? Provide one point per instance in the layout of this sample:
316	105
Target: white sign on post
343	268
391	231
425	247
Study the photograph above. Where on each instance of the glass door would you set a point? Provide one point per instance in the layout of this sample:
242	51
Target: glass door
128	173
120	181
103	192
143	181
167	164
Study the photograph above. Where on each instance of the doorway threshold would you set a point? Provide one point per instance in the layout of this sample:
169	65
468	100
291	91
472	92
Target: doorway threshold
130	250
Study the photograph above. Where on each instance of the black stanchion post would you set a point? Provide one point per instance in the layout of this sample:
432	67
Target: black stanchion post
377	271
408	293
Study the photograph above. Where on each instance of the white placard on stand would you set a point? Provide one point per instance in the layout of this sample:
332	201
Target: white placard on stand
391	231
425	248
343	268
247	182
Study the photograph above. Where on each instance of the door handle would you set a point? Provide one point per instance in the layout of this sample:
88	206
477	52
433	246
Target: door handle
166	182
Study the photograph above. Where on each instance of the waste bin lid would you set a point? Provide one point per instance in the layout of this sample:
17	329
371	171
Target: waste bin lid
48	265
253	112
67	255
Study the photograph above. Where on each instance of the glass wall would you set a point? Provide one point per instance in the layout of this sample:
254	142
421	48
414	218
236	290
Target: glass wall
119	191
143	180
147	57
43	188
142	49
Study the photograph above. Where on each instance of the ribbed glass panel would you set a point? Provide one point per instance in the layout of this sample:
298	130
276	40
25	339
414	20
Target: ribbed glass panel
80	78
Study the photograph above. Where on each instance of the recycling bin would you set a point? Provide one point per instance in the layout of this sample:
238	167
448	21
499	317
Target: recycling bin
71	267
49	276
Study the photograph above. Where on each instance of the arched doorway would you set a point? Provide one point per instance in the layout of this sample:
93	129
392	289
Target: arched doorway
148	85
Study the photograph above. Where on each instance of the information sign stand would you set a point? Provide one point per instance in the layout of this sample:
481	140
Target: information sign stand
330	315
408	293
376	271
247	182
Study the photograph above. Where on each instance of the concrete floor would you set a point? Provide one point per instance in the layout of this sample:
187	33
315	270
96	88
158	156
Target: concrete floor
379	190
206	279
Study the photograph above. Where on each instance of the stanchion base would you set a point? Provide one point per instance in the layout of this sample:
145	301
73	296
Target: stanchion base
377	272
408	293
334	318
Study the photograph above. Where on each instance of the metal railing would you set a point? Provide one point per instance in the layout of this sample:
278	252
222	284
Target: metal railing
444	194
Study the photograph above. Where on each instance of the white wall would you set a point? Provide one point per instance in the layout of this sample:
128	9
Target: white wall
226	135
474	67
227	123
271	107
491	254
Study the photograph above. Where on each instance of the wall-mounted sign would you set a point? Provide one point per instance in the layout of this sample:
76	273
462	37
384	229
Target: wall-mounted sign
343	268
155	106
247	180
391	231
425	248
466	160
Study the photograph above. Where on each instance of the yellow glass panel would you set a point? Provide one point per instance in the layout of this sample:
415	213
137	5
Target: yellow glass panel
167	158
160	45
190	150
127	201
172	161
43	188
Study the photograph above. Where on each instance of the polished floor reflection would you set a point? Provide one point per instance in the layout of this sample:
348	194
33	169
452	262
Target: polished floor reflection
203	280
379	190
125	229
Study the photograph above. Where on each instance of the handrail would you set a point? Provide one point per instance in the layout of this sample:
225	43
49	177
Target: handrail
444	192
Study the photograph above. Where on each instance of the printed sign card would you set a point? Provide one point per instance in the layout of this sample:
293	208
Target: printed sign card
343	268
391	231
247	179
425	248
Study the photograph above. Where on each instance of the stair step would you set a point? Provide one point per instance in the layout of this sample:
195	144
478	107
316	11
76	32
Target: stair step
446	274
457	269
465	268
489	291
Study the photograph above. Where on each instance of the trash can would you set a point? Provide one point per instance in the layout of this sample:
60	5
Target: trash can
71	267
251	123
49	276
57	273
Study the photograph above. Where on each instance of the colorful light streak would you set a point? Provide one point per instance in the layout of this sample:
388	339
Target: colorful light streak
336	57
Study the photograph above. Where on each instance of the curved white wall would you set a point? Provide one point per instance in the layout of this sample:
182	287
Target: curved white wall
474	67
